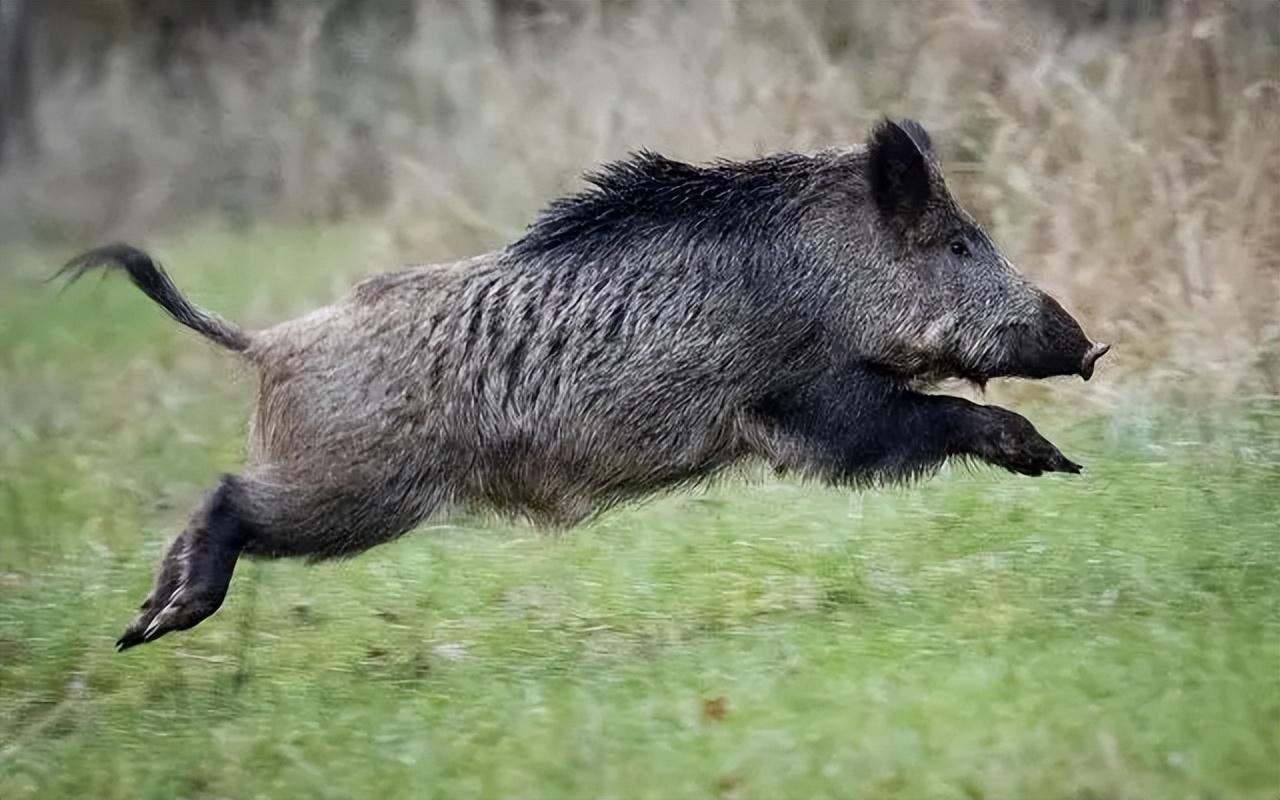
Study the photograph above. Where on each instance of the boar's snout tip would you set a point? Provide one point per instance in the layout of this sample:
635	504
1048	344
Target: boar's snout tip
1096	352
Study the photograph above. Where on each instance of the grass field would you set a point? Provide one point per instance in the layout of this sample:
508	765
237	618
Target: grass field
1113	636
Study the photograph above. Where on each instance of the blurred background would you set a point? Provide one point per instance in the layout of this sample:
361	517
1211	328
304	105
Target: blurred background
1109	636
1124	152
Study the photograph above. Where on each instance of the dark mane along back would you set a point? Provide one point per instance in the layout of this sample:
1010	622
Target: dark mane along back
648	195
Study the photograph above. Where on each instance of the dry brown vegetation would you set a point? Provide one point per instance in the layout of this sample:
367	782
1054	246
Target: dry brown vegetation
1132	168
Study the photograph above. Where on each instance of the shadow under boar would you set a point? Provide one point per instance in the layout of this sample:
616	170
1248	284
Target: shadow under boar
644	334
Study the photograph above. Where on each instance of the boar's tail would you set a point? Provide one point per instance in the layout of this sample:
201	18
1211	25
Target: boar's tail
154	282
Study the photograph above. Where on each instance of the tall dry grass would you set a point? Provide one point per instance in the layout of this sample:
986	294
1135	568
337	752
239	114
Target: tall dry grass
1134	171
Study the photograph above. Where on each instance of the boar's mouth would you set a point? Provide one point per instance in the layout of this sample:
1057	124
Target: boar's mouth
1054	365
1050	345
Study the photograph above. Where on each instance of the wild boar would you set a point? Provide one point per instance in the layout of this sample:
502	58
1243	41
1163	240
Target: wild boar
643	334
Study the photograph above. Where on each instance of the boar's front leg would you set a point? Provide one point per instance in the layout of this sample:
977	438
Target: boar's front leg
857	426
1001	437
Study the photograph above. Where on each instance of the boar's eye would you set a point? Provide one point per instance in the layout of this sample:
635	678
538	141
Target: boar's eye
958	247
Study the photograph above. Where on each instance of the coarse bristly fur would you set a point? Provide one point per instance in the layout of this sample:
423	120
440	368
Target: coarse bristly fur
664	324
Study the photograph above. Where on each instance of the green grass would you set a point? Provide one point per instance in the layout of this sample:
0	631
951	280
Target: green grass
978	636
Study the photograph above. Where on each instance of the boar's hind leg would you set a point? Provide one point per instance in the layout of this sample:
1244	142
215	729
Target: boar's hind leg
264	513
293	518
196	570
857	426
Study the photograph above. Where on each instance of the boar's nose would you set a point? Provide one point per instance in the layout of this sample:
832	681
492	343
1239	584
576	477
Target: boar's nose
1096	352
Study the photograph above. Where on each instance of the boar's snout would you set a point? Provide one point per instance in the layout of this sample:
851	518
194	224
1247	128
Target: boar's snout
1055	344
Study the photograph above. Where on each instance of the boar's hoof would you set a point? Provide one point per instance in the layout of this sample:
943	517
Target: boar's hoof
1008	440
195	573
187	606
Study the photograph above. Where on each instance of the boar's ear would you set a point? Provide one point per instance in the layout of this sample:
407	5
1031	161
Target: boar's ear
899	169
